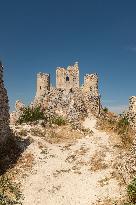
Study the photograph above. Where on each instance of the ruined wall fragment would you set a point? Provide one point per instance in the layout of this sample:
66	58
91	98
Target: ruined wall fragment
4	111
14	116
132	112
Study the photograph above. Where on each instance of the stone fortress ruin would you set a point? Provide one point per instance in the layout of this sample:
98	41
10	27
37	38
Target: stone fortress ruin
68	98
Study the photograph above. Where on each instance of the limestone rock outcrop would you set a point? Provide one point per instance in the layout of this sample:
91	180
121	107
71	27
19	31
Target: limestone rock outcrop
14	116
4	111
131	113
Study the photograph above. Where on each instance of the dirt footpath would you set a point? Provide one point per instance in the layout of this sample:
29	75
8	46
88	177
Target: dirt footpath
78	173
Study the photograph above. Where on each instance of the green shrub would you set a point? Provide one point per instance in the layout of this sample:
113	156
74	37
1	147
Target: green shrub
58	120
31	115
131	189
9	192
125	131
105	109
123	122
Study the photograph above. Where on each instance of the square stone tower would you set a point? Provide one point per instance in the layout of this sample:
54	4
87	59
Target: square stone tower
43	84
91	84
67	78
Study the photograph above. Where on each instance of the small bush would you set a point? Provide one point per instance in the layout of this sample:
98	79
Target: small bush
125	131
120	125
9	192
131	189
123	122
58	121
31	115
105	110
23	132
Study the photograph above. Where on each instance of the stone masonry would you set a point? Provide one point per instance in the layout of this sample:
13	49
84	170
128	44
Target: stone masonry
4	111
68	98
91	84
43	84
67	78
132	112
14	116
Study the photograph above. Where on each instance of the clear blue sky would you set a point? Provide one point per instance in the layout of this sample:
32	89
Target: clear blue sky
39	35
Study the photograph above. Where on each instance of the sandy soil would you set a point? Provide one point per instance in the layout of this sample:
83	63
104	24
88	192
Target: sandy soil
79	173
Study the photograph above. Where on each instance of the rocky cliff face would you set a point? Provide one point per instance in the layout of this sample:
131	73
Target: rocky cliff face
4	111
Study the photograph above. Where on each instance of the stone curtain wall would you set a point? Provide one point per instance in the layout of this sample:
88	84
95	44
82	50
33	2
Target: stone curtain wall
4	111
73	105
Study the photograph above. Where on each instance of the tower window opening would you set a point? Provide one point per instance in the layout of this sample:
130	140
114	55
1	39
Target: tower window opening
67	78
40	87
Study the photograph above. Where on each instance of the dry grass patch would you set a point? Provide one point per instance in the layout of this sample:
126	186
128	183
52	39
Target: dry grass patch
97	162
66	147
59	172
55	189
71	158
109	201
26	162
77	153
118	174
23	166
9	191
65	134
22	132
57	134
82	151
113	175
104	181
118	125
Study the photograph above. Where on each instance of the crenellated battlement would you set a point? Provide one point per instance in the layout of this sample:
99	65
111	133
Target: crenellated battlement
67	79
